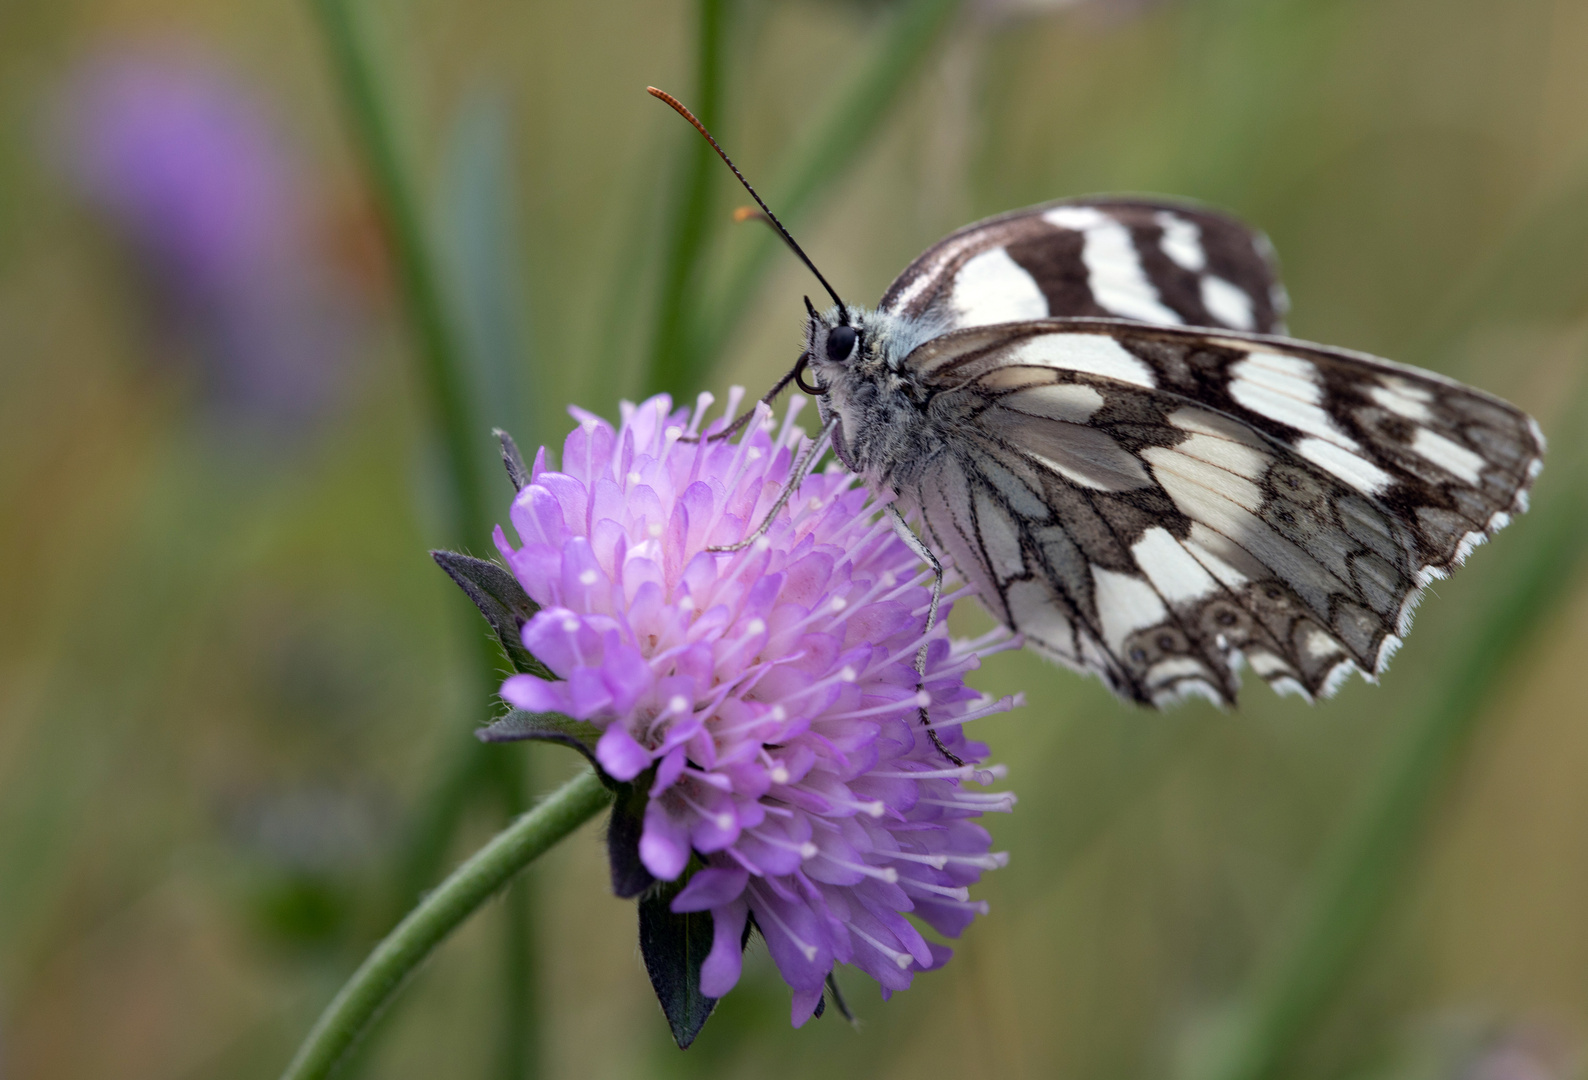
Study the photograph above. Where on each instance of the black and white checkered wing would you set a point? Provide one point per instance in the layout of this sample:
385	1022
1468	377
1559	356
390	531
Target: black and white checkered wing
1167	263
1157	505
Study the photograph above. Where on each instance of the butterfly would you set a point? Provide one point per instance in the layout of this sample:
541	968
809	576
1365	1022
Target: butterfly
1090	407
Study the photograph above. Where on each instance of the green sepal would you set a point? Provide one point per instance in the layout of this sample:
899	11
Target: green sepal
629	876
674	947
503	602
519	725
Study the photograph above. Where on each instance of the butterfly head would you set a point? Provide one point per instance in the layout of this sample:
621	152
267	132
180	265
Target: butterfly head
836	344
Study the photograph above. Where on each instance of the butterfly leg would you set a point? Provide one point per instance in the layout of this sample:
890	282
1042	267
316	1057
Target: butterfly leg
924	553
802	469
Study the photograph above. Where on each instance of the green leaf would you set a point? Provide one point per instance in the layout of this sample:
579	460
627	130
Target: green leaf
674	947
503	602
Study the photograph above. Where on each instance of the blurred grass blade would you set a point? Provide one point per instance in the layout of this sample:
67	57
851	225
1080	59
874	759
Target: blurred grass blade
479	228
1358	878
823	158
444	379
444	366
440	352
672	368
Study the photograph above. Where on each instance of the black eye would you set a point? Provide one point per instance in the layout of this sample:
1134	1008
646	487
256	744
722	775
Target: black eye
840	343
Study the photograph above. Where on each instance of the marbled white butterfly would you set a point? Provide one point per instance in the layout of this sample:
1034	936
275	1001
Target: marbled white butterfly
1092	409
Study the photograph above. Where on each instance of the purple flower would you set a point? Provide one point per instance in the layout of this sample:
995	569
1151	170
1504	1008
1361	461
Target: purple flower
187	165
772	689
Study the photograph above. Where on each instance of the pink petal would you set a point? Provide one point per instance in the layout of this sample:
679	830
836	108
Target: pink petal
720	972
664	843
535	695
621	756
711	888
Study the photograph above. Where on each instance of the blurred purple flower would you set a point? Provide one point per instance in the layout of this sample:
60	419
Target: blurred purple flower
187	165
772	689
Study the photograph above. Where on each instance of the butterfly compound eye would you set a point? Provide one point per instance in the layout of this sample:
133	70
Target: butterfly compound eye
840	343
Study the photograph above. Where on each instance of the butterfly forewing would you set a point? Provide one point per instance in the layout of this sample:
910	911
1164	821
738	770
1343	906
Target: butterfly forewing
1157	505
1152	261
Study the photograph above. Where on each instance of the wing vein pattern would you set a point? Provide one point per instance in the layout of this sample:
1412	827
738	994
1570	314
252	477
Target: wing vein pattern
1164	505
1092	410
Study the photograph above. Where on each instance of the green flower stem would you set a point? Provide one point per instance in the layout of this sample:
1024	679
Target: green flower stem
1357	880
440	913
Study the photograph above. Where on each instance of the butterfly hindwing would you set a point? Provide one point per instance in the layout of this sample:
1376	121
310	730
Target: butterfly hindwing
1153	261
1151	504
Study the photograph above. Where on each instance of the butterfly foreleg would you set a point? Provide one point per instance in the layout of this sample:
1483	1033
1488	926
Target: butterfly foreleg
802	468
745	417
924	553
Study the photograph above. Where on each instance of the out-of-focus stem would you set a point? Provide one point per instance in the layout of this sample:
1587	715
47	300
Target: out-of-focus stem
671	364
440	355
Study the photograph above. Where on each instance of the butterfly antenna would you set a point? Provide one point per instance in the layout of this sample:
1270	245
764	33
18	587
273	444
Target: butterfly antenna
679	108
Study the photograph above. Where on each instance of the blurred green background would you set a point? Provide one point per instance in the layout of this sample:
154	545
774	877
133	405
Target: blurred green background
236	697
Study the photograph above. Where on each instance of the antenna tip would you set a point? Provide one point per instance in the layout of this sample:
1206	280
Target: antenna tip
681	110
742	214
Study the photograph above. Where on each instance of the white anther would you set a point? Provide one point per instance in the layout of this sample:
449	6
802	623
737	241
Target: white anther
570	625
755	626
922	698
687	604
589	577
678	703
753	454
635	478
848	674
814	504
875	809
761	543
779	774
654	529
673	432
839	603
809	850
888	579
779	713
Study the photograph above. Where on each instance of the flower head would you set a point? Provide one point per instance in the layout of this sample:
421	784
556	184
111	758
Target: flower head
767	696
